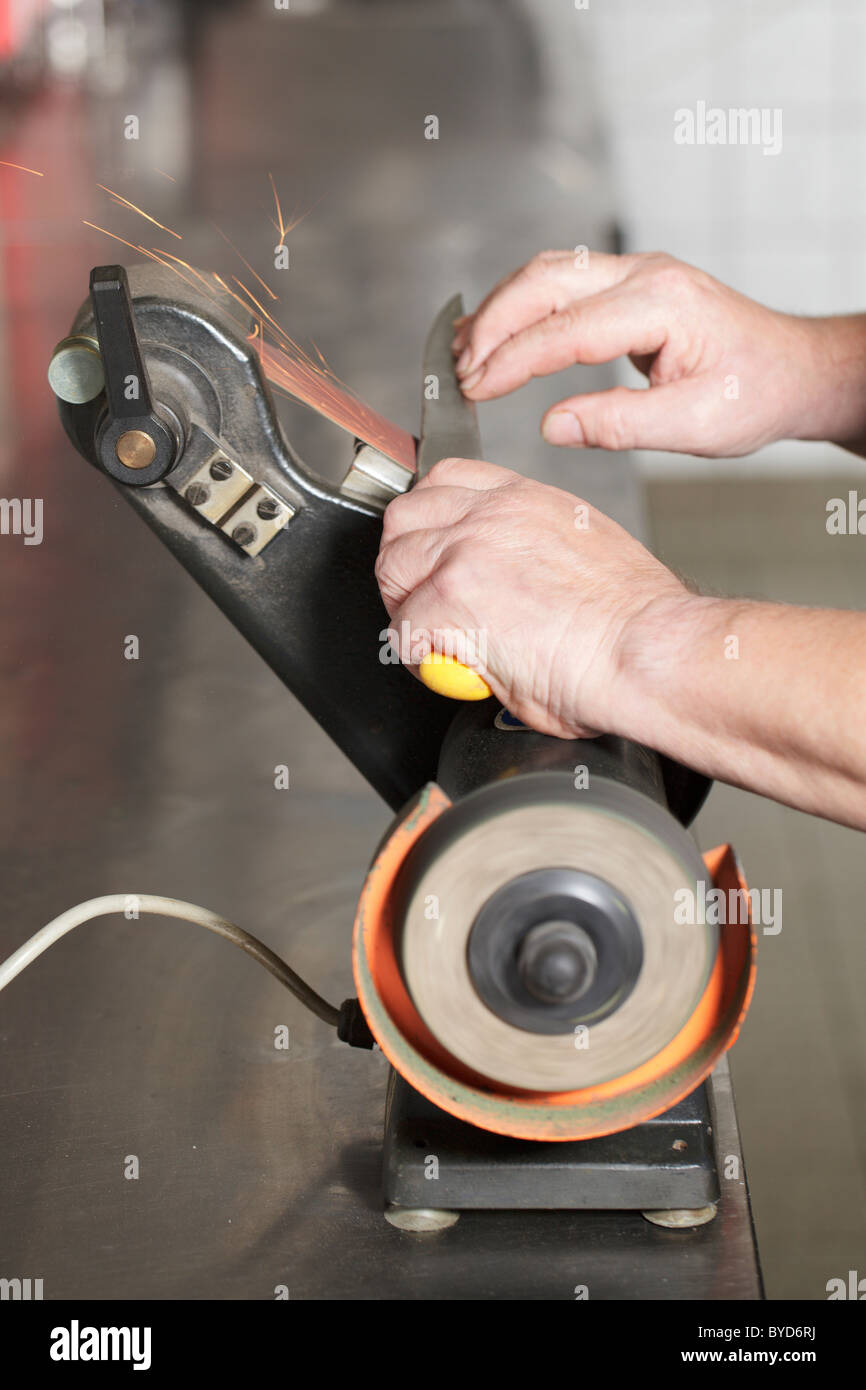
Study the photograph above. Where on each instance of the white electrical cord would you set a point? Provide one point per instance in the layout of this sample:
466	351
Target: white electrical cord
165	907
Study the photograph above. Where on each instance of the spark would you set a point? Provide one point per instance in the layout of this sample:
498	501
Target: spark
230	243
164	174
105	232
162	258
323	392
126	203
23	168
261	308
279	224
319	354
284	363
186	265
228	290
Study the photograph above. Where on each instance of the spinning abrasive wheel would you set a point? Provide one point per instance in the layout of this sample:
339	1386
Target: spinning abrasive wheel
527	941
519	958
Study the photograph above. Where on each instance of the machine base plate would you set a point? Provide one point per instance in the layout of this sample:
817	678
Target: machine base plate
434	1161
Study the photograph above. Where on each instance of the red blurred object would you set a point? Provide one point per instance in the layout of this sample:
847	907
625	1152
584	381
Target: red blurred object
18	22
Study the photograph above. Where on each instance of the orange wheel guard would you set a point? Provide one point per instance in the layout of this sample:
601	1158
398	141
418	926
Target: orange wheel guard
614	1105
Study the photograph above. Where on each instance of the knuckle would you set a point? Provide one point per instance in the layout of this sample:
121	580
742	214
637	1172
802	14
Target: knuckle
514	494
443	469
654	260
542	262
613	430
453	575
381	568
704	416
391	519
670	275
566	320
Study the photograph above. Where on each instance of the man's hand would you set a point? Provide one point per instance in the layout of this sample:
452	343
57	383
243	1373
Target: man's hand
582	631
726	374
575	626
545	585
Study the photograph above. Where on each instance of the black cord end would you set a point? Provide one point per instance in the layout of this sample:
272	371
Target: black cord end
352	1027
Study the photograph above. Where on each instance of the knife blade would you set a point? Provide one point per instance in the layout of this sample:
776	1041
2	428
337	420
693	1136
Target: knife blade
449	422
449	429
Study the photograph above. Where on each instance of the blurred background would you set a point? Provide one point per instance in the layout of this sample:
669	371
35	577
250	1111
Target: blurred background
556	130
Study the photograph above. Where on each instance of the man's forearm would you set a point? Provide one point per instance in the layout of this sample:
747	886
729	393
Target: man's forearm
765	696
832	387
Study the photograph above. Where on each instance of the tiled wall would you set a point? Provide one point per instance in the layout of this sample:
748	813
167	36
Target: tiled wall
788	229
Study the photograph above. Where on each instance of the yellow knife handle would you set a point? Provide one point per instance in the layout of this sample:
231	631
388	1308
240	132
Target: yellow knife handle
449	677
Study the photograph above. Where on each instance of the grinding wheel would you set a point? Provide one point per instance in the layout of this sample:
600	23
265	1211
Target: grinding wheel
631	839
596	872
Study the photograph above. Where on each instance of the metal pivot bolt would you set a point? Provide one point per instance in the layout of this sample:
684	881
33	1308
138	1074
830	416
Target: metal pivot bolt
135	449
557	962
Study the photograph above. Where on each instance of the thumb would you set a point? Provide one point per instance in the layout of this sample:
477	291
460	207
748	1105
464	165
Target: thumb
677	416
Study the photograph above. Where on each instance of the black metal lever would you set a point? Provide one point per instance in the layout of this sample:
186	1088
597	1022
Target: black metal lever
135	443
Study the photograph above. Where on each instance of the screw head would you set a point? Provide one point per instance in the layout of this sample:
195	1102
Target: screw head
221	469
268	509
197	494
244	534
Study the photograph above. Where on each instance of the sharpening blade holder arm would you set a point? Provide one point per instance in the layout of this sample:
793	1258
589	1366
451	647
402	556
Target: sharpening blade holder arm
182	421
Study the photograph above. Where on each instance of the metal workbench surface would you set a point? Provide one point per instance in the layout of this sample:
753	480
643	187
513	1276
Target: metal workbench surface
259	1167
